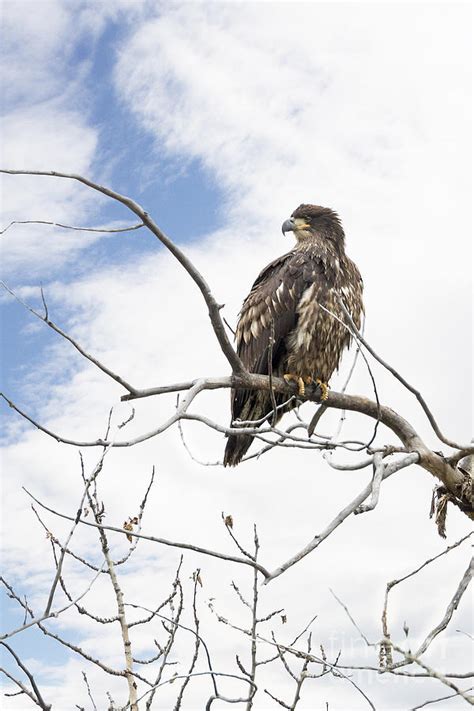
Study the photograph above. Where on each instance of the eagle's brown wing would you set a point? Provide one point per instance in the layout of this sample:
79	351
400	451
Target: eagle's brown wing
271	305
274	297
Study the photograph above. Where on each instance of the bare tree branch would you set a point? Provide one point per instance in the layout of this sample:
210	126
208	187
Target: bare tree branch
41	618
118	379
452	478
349	467
345	608
22	687
342	515
436	701
89	693
35	695
386	650
70	227
154	539
197	642
413	658
379	467
212	305
453	605
122	619
457	486
401	379
97	469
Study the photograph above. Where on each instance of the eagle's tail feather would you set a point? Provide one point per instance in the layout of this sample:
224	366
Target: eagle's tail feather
236	448
256	406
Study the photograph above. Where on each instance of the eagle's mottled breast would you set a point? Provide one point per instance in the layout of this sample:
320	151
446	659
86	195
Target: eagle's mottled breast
316	343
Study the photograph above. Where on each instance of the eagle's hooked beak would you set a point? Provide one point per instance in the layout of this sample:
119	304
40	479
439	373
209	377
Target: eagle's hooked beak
288	226
296	225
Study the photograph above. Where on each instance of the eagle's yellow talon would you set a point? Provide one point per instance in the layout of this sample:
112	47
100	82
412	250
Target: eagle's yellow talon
291	377
324	389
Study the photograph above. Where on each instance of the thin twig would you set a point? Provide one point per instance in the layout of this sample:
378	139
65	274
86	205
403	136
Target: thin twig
89	693
45	318
391	584
154	539
453	605
36	695
371	375
42	618
441	698
451	443
196	646
350	616
71	227
97	469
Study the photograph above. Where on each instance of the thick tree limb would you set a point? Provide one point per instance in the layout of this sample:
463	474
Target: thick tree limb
458	486
452	478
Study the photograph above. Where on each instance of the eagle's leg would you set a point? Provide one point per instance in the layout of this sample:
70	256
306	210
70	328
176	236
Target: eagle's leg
324	389
291	377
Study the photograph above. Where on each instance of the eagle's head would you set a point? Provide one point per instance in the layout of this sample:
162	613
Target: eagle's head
308	222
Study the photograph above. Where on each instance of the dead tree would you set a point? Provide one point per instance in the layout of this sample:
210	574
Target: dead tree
452	471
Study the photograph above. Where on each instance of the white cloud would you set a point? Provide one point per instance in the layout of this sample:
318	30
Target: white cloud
46	126
282	103
277	103
289	106
41	138
41	36
316	104
42	130
33	46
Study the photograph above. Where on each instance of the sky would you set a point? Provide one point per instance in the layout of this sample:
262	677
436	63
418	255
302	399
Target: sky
219	119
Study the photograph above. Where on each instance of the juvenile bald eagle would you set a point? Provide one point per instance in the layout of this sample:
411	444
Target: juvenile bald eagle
290	300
